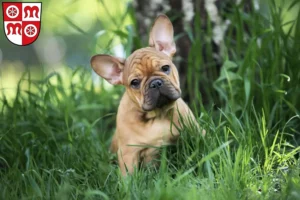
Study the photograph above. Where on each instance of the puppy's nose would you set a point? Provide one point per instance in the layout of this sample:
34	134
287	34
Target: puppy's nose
156	83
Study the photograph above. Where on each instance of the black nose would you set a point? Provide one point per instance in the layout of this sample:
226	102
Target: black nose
156	83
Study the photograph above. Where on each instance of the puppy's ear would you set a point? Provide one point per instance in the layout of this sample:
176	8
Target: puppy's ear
161	36
108	67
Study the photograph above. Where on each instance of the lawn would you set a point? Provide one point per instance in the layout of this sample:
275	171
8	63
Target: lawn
55	131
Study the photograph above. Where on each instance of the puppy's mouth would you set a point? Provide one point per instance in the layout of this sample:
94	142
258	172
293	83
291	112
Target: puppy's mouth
159	93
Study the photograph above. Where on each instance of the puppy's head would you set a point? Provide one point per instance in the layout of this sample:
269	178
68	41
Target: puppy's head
149	75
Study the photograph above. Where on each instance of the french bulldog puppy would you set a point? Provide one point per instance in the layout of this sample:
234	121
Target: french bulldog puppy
151	108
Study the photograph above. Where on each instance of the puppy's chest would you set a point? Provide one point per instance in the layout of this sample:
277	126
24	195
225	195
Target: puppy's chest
157	132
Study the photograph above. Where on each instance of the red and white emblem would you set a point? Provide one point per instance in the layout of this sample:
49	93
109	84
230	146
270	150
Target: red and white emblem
22	22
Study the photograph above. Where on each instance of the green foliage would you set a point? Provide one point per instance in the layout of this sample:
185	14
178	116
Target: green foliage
55	134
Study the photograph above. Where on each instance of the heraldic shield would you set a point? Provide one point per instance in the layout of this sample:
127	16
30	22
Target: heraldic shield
22	22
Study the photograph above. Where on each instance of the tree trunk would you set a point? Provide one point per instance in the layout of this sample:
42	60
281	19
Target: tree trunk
181	13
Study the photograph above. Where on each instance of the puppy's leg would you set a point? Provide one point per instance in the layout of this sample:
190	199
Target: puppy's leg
128	159
188	117
150	156
114	144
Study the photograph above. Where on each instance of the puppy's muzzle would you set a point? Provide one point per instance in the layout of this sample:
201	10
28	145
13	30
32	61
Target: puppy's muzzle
156	83
159	93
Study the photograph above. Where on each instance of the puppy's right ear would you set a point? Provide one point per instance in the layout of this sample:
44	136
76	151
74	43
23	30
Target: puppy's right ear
161	36
108	67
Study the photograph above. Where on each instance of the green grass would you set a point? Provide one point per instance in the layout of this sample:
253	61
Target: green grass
54	144
55	134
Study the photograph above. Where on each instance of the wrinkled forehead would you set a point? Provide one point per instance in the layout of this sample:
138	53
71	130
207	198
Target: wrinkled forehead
145	61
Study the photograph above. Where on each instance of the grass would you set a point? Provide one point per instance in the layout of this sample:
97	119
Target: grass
55	133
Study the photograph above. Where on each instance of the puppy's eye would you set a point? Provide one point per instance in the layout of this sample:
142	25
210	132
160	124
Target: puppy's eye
166	69
135	83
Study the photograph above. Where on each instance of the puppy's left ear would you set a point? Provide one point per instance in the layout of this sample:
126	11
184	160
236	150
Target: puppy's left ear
108	67
161	36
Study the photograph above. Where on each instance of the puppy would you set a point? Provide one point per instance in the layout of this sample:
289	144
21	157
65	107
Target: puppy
151	108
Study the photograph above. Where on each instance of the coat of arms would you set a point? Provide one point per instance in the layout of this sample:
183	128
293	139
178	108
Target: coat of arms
22	22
